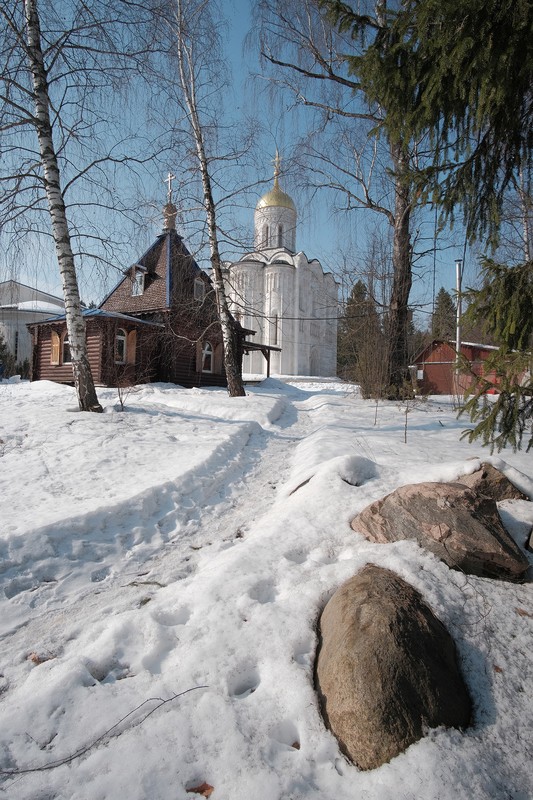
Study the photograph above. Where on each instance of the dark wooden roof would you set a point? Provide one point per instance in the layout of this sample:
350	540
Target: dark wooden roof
167	265
100	313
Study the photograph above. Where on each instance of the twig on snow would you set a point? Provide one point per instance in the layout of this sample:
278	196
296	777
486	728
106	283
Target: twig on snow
106	734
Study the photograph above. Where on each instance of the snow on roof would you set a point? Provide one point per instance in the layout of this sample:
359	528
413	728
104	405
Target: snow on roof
450	342
17	284
100	312
481	346
39	305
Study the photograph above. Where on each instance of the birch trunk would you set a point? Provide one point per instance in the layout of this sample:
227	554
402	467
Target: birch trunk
83	379
230	336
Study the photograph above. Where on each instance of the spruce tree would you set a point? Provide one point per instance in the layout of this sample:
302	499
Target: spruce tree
443	320
7	360
361	343
461	72
505	305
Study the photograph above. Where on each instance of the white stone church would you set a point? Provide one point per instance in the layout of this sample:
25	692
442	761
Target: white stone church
288	300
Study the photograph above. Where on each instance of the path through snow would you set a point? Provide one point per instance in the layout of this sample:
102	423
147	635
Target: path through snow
192	542
177	528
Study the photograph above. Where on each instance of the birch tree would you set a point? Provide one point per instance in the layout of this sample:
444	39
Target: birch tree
59	65
83	379
194	43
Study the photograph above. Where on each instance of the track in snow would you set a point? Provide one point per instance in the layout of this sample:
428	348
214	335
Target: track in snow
175	536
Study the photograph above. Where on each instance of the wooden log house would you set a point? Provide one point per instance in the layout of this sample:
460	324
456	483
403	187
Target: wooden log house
159	323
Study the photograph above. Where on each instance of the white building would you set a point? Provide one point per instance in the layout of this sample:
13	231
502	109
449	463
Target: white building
288	300
19	305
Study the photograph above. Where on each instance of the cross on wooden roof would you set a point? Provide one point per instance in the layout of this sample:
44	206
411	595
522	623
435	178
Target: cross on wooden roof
168	180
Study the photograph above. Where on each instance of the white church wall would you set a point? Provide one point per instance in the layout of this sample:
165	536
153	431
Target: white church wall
275	227
288	301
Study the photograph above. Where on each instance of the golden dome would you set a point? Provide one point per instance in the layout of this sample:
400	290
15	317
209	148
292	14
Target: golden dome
276	197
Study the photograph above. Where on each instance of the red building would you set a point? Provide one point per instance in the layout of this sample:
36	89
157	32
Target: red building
435	368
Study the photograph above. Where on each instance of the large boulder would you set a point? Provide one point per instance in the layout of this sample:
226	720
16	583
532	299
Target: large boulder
386	669
461	527
492	483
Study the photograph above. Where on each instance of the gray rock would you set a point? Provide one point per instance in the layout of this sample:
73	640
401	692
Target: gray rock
386	669
492	483
458	525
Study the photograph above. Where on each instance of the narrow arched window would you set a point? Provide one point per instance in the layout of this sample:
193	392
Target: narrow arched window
199	289
280	235
274	329
207	357
265	235
55	348
120	346
65	349
137	283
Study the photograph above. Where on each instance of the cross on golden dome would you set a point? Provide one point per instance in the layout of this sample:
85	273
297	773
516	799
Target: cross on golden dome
276	197
277	166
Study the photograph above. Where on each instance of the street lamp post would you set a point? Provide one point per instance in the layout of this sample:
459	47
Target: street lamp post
458	281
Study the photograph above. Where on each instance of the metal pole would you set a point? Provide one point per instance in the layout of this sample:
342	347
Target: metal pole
458	278
458	281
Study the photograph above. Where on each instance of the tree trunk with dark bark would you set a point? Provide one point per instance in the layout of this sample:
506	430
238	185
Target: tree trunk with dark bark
398	312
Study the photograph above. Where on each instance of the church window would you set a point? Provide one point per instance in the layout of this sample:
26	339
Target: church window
265	235
199	289
274	329
65	349
137	285
120	346
280	235
56	348
207	357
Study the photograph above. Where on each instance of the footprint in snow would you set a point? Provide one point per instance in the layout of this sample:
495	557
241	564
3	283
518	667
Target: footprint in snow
243	683
296	556
171	617
263	592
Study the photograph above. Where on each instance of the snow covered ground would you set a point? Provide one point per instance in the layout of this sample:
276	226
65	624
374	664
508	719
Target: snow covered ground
162	570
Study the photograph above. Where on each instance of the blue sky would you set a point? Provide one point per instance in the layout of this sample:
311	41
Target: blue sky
322	233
